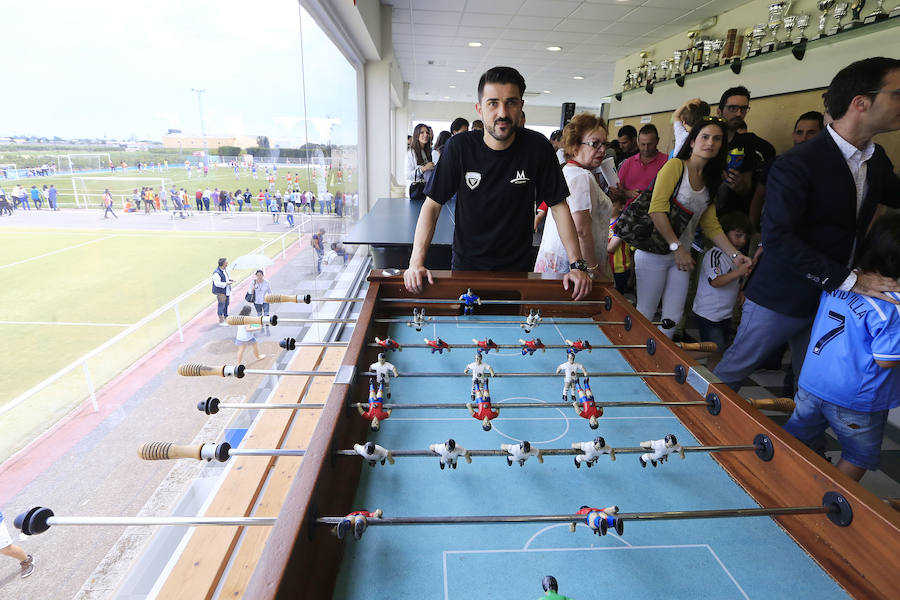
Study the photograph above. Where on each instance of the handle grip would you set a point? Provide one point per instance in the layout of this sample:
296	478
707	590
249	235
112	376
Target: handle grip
699	346
170	451
780	404
276	298
250	320
198	370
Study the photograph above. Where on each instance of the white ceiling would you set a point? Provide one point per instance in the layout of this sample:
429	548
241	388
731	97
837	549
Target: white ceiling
431	42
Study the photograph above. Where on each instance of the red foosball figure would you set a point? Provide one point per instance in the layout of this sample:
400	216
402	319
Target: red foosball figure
485	345
529	347
376	412
437	345
388	344
357	521
578	345
585	407
485	412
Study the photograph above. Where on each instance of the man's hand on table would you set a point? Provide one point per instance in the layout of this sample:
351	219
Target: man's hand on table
414	278
581	283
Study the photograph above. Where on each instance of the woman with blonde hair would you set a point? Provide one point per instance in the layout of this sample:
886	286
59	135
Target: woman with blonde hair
584	144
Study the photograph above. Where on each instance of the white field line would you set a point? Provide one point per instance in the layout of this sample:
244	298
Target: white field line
66	323
46	254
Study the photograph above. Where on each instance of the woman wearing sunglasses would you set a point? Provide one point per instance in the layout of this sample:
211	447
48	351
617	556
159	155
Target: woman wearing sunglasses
584	144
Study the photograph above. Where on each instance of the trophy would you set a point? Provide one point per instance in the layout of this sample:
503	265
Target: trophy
707	55
747	44
855	9
627	84
877	15
789	23
840	11
776	13
824	6
758	33
677	62
896	11
802	24
717	46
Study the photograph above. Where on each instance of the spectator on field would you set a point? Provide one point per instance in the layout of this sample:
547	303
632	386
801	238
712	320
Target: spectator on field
221	287
638	172
627	138
339	250
5	206
207	195
20	197
135	199
318	244
108	205
7	548
459	125
261	287
273	208
685	117
327	197
289	210
244	337
51	197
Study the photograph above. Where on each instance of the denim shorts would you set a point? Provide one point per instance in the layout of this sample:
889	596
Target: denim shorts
859	433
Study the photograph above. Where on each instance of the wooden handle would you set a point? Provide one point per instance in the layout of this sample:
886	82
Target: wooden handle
244	320
699	346
198	370
780	404
275	298
168	451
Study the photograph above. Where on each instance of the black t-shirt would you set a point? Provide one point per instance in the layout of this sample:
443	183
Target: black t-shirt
621	155
496	192
755	155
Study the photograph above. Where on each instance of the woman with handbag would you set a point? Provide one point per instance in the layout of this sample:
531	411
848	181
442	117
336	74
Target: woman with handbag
256	295
584	144
683	196
419	163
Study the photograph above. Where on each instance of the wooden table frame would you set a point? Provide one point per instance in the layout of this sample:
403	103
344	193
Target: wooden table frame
301	560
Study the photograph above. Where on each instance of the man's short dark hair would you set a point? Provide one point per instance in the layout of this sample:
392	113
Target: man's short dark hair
628	131
857	79
556	135
649	128
812	115
477	124
457	124
501	75
733	91
222	262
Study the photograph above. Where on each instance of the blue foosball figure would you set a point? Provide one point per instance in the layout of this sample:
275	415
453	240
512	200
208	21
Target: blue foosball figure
469	300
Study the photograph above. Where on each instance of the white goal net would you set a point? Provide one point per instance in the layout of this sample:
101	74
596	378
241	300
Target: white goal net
89	190
74	163
8	171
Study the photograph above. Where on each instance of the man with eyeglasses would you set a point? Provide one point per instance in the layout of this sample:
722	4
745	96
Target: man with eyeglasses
637	172
821	196
496	175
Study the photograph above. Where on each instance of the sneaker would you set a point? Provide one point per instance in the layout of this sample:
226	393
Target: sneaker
27	566
260	357
577	464
643	462
342	528
443	466
509	461
359	527
223	324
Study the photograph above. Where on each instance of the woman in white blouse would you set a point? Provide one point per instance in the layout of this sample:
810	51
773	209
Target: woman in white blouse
584	144
419	162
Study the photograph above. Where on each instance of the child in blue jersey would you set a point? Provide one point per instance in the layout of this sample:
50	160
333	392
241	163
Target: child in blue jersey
850	378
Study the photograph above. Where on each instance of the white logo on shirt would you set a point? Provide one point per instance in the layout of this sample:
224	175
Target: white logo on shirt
520	178
473	179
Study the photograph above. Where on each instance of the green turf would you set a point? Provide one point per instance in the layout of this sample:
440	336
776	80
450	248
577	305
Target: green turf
84	276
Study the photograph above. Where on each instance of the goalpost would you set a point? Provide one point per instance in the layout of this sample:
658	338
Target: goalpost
90	156
9	171
121	188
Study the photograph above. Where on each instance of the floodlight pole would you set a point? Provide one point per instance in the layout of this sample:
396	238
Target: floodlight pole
202	126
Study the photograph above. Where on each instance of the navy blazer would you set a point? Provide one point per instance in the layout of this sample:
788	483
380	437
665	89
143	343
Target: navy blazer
809	225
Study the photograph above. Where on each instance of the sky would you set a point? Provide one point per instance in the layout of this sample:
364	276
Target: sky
96	68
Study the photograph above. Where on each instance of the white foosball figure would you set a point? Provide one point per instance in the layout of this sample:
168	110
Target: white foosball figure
480	370
592	451
661	449
531	321
450	453
418	319
373	453
383	371
571	369
521	453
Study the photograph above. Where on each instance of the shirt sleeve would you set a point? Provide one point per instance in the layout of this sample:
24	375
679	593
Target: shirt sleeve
445	181
664	188
411	166
712	264
579	192
886	333
709	221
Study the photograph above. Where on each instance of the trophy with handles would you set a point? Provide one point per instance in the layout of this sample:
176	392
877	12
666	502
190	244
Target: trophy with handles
839	12
759	32
824	6
802	24
776	16
876	15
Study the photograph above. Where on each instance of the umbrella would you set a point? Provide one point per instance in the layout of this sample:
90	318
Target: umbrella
251	261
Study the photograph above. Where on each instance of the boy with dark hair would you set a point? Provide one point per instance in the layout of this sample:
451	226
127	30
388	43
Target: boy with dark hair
850	378
459	125
627	138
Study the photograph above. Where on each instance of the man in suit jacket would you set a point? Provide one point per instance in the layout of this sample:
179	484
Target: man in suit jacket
820	199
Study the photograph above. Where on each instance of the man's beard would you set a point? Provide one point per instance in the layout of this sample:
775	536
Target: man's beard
490	130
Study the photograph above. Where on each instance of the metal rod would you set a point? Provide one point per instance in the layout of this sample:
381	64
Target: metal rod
642	516
286	372
182	521
519	346
291	320
533	405
550	320
456	374
252	406
499	302
430	454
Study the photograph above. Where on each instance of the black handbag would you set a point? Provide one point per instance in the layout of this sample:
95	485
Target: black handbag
249	296
417	190
636	228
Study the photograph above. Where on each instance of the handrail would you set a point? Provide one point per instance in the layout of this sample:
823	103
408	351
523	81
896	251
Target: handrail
168	306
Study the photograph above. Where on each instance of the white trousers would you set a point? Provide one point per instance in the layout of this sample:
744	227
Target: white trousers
658	278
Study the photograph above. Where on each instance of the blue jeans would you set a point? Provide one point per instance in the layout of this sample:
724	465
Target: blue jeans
25	204
262	309
290	219
222	308
713	331
761	331
320	254
859	433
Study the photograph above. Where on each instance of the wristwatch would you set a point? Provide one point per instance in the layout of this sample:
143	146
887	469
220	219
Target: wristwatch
579	264
674	246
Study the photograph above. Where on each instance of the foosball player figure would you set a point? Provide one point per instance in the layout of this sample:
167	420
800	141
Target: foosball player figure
375	413
531	321
551	589
578	345
529	347
450	453
592	451
485	412
600	519
373	453
661	449
570	369
485	345
469	300
383	371
585	407
437	345
520	453
418	319
480	370
357	521
388	344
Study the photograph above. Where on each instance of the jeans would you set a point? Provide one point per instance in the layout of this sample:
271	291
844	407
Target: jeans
109	210
658	278
761	331
25	204
262	309
53	204
222	308
240	206
621	280
859	433
290	219
205	204
319	255
713	331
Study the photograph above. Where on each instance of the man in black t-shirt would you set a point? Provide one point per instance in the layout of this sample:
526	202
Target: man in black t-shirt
496	175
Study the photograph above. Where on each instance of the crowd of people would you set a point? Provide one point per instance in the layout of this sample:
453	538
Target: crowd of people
779	244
